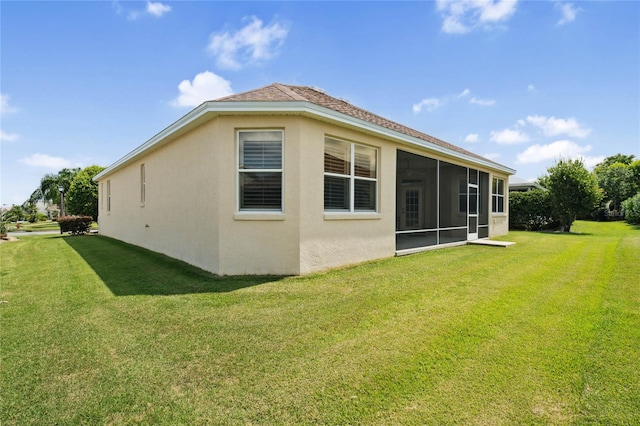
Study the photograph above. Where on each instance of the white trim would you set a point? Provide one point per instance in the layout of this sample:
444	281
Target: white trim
498	195
258	215
351	216
213	108
427	248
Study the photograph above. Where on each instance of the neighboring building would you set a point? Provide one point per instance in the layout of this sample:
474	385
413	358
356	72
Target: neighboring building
288	180
520	185
52	211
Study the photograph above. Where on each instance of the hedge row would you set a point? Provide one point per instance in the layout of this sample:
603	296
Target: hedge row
76	225
531	211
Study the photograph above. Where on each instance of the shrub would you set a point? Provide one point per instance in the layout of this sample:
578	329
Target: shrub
574	191
631	209
36	217
531	211
76	225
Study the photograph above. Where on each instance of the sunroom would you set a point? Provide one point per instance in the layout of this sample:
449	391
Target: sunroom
439	203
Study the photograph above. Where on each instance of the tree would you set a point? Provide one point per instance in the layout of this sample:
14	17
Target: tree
574	191
30	210
635	173
618	158
14	214
48	190
82	197
543	181
616	180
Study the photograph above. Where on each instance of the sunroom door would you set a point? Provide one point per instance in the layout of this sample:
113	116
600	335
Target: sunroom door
473	212
411	214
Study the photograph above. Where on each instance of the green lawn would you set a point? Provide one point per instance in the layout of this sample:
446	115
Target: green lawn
47	225
95	331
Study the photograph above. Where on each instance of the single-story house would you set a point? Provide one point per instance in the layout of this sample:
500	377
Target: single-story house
289	180
517	184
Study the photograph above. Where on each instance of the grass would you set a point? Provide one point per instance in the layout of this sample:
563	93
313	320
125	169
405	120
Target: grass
47	225
544	332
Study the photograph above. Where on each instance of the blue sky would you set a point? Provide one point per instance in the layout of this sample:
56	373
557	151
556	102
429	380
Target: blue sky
523	83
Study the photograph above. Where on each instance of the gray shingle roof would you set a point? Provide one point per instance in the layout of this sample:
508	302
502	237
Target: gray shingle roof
277	92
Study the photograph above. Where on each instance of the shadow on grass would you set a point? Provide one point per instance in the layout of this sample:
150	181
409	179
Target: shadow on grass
130	270
570	233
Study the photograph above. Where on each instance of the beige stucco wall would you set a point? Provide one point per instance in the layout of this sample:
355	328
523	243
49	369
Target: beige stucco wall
258	243
190	211
334	239
178	217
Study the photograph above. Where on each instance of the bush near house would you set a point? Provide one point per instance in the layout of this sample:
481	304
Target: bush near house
531	211
76	225
631	209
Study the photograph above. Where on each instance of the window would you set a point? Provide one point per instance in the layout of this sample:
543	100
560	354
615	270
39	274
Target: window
101	195
260	170
350	176
108	195
497	197
143	188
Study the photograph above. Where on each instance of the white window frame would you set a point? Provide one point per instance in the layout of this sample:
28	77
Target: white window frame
143	185
239	170
496	196
109	196
352	177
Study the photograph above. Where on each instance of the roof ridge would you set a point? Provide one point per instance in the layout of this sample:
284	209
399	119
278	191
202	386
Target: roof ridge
286	89
233	95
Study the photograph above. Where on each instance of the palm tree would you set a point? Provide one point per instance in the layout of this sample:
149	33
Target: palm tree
48	190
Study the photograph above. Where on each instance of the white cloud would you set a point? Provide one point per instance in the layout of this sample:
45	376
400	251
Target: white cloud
463	16
472	138
252	44
492	156
5	107
552	126
509	137
553	151
568	12
157	9
531	88
48	162
464	93
430	104
482	102
8	137
205	86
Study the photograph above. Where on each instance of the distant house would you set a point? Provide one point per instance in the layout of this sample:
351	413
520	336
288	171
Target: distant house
289	180
520	185
52	211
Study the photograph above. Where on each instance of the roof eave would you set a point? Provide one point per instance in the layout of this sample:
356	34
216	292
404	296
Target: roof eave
213	108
